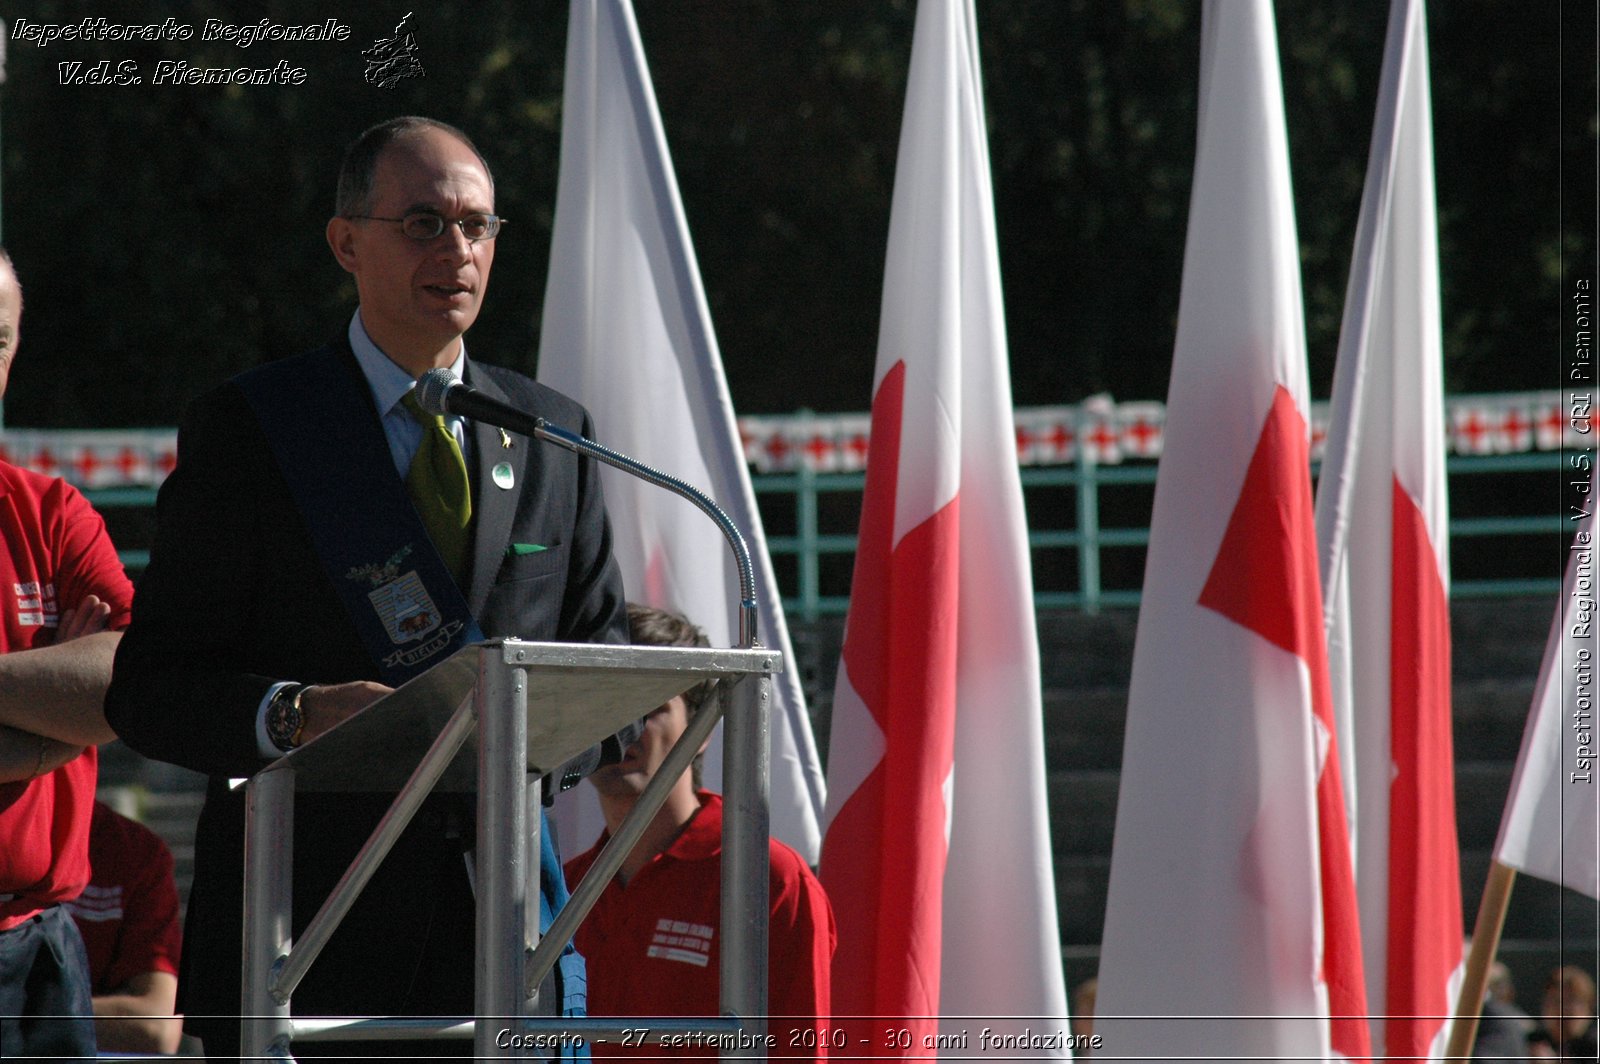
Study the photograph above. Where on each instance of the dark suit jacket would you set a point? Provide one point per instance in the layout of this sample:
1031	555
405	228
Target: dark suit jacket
235	600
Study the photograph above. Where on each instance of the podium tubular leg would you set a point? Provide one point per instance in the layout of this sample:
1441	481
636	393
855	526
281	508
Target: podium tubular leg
532	796
501	701
395	819
744	857
268	897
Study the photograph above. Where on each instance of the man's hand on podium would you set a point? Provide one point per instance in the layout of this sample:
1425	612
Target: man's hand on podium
325	705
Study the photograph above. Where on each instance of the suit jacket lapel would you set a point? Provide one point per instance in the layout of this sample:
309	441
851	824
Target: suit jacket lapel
496	507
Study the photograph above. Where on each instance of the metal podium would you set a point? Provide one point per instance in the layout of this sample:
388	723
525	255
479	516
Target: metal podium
531	706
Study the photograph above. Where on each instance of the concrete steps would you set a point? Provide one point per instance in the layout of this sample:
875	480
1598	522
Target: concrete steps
165	798
1498	647
1086	661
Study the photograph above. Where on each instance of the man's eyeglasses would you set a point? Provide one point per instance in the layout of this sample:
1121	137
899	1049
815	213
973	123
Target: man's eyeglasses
423	226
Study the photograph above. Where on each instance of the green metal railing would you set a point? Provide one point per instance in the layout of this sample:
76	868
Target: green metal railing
807	543
1088	514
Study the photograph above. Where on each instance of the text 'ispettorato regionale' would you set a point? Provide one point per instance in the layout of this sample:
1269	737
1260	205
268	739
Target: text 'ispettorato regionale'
97	30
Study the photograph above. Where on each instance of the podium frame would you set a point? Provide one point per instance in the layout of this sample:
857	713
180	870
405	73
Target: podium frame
514	696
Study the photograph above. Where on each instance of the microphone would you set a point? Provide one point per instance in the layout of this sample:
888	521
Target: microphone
440	392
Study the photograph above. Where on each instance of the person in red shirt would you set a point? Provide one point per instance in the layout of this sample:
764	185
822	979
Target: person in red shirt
63	598
651	941
128	916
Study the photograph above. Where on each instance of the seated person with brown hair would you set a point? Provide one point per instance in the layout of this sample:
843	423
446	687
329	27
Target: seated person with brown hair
1566	1030
652	941
128	916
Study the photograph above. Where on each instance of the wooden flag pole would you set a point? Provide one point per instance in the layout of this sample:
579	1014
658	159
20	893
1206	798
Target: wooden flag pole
1485	943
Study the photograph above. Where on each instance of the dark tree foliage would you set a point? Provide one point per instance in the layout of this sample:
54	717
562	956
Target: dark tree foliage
169	236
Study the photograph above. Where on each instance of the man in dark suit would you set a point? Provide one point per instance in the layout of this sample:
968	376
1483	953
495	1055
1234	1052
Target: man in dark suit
320	542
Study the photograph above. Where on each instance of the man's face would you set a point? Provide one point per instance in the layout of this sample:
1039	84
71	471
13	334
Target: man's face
417	298
10	322
643	757
1569	1018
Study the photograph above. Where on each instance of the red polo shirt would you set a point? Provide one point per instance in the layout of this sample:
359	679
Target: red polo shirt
128	914
653	947
56	552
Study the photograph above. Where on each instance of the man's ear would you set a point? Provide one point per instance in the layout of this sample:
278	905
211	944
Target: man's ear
341	239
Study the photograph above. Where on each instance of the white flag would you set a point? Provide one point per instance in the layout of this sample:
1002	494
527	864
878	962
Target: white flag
1382	528
628	334
1551	824
937	848
1230	923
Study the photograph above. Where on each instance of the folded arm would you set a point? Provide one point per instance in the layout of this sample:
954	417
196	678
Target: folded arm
24	755
55	695
138	1017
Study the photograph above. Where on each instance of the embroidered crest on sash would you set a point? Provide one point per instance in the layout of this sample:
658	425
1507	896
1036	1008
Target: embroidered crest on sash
406	609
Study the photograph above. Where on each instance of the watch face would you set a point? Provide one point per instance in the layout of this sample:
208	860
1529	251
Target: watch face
283	720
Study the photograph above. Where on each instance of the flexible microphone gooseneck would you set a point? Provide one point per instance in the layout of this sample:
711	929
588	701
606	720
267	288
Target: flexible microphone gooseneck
440	392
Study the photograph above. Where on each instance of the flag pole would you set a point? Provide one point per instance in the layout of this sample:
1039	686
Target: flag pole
1485	943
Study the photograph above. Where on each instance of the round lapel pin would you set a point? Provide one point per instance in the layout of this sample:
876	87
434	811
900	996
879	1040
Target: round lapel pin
503	477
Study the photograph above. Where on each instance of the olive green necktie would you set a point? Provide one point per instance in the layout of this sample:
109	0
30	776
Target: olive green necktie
439	488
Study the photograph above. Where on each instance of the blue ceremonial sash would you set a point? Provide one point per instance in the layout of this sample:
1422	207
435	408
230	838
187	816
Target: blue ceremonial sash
572	977
397	591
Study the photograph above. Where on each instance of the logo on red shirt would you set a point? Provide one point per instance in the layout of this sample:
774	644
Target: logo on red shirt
36	605
679	940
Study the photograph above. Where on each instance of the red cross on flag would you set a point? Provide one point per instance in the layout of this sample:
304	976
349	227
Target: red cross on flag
1517	428
84	465
1382	527
1551	426
1469	431
936	849
1231	927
